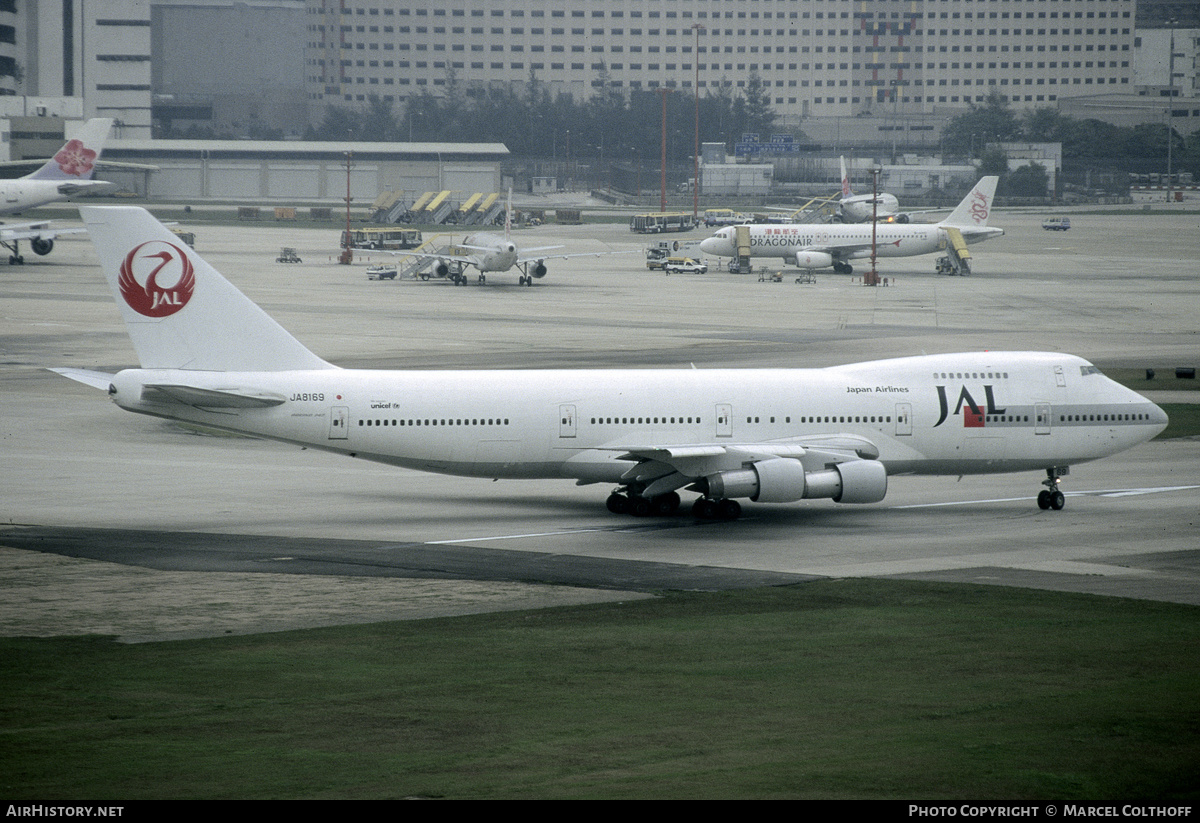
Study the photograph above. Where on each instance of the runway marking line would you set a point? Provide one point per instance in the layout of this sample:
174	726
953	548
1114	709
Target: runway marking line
1097	493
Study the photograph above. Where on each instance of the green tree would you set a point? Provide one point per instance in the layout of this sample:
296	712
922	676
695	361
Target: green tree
1029	180
993	162
970	132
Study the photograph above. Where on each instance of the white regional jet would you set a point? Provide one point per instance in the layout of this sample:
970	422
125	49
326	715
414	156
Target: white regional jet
68	173
490	252
210	356
810	246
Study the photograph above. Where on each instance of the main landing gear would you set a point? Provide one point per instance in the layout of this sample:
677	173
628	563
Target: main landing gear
665	505
1050	497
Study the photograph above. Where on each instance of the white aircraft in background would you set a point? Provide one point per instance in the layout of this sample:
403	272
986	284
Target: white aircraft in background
816	246
862	208
68	173
490	252
212	357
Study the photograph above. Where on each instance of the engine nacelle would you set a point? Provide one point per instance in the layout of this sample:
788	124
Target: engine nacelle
442	269
41	245
538	269
781	480
809	259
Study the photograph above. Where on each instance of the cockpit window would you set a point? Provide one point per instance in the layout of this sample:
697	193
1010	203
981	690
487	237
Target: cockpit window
1088	369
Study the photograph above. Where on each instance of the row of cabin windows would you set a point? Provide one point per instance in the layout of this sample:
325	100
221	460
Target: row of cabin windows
971	375
392	422
1096	418
603	421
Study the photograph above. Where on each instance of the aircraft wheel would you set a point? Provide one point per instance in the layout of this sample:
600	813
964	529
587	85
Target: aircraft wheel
1057	500
704	509
666	504
729	509
1043	500
617	503
640	507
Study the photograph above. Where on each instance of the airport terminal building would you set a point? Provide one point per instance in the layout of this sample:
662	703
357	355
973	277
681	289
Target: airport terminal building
817	58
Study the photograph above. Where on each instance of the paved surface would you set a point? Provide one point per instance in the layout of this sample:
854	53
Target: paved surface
131	526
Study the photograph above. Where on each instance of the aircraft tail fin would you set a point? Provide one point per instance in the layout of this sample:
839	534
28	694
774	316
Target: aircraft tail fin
845	180
180	312
77	159
976	207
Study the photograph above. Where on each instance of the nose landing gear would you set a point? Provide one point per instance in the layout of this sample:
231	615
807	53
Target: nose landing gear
1051	497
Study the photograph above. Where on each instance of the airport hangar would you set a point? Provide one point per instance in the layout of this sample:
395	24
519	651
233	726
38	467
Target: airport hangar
299	171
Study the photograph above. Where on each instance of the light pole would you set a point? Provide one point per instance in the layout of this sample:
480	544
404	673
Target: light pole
872	277
1170	106
696	28
347	256
662	206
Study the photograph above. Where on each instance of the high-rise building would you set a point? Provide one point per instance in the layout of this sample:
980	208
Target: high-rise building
815	57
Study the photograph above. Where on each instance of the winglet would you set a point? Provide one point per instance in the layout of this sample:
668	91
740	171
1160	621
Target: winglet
77	159
180	312
976	207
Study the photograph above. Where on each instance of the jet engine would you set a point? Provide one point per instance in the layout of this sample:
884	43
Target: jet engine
781	480
538	269
41	245
809	259
442	269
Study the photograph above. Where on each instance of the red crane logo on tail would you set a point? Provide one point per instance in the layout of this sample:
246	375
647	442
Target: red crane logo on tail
75	159
157	279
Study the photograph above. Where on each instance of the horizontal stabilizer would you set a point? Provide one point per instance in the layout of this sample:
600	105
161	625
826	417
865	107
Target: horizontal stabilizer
96	379
211	398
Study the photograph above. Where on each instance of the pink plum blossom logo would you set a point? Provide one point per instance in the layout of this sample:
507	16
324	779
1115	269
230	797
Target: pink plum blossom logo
75	159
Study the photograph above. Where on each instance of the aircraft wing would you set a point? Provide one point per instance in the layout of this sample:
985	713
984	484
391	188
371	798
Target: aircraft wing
665	468
526	257
42	229
458	258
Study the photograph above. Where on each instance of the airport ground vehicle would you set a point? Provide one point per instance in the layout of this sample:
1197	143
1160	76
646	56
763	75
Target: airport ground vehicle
1056	223
383	238
658	222
684	265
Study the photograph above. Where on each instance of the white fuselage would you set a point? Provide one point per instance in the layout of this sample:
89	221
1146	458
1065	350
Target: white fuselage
844	242
491	252
862	208
937	414
22	194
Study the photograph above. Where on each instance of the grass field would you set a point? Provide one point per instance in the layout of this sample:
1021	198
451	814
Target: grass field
831	689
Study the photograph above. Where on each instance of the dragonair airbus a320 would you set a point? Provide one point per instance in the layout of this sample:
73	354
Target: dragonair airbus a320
212	357
813	246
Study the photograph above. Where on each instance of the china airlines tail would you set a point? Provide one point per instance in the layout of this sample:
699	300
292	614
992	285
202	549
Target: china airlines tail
845	180
180	312
76	160
976	207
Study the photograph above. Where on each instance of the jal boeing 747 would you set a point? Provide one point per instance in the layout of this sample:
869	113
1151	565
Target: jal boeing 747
210	356
68	173
810	246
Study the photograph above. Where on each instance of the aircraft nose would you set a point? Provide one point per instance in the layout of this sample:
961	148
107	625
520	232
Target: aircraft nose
711	245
